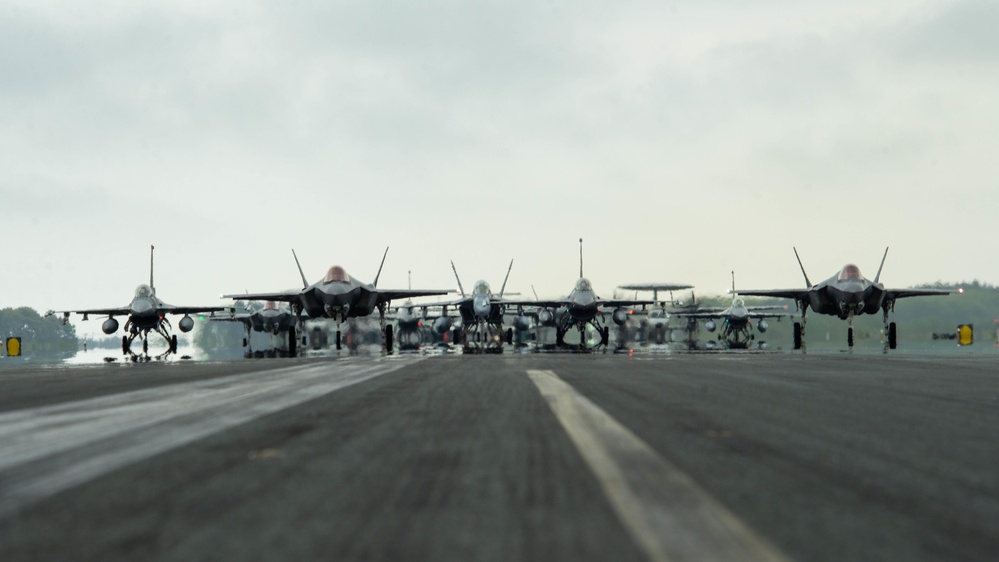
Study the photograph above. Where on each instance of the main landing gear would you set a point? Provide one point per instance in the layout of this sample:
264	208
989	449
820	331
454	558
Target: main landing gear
602	331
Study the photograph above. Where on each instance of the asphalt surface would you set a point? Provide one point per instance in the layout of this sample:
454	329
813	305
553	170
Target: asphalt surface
534	457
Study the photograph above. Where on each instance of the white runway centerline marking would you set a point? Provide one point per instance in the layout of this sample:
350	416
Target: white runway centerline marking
48	449
666	513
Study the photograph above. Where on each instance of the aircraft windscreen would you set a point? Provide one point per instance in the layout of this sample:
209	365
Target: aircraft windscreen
849	271
583	284
143	291
336	274
738	303
270	305
481	288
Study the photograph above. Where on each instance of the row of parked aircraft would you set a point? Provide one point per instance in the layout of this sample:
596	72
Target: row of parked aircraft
476	319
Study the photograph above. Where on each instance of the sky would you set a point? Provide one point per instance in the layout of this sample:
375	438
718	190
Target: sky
681	140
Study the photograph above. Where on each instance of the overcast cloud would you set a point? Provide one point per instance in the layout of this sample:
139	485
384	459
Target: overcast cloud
681	141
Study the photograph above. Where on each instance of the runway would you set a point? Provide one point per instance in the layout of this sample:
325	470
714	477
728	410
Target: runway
513	457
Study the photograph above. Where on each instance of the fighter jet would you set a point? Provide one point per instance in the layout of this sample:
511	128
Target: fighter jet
657	319
269	318
145	313
481	324
339	296
580	308
846	294
736	321
410	321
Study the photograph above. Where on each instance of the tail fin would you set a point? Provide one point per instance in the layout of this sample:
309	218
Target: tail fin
379	274
460	289
878	276
733	283
580	257
305	284
807	282
503	288
151	286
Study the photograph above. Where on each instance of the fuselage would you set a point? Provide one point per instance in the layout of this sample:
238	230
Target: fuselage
847	293
338	296
581	304
144	310
480	306
272	319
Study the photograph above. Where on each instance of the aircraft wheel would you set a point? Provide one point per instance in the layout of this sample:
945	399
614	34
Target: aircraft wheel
509	336
145	346
849	337
559	337
173	344
892	336
388	339
605	335
245	341
339	340
292	342
797	335
124	345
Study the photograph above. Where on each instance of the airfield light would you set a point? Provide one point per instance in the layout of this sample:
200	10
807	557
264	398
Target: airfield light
965	334
13	347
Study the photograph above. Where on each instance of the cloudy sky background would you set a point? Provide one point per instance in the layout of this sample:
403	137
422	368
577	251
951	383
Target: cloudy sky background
681	140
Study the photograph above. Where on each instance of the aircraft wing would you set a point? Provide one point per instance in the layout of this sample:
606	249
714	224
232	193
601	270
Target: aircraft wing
385	295
796	294
538	304
655	287
291	295
170	309
119	311
902	293
244	318
619	302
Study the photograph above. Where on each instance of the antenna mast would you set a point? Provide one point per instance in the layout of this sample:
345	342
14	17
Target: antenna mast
151	286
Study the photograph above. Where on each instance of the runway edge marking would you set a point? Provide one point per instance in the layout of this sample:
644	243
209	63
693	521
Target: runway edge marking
667	514
60	467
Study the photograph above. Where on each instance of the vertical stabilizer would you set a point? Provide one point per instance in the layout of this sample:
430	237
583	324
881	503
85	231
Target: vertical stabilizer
379	274
878	276
807	282
733	283
305	284
503	288
580	257
460	289
151	286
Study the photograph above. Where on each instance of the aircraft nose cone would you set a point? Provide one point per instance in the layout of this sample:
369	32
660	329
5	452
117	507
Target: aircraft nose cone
481	307
142	307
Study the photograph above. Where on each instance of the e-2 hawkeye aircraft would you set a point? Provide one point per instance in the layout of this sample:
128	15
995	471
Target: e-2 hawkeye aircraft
846	294
145	313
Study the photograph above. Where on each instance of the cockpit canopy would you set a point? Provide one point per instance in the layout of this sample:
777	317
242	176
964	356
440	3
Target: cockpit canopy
336	274
481	288
270	305
738	302
583	284
143	291
849	271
